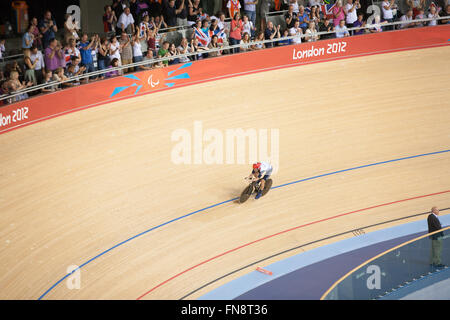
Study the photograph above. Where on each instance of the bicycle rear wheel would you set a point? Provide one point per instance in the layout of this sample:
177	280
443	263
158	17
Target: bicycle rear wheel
267	187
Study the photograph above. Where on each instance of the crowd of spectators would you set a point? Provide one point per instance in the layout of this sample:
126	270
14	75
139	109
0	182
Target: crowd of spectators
132	33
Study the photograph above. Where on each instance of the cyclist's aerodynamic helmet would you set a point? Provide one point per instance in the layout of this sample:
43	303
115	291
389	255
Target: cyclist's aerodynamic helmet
257	166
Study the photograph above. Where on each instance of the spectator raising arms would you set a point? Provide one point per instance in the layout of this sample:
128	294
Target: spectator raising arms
303	18
338	13
36	33
109	20
28	38
290	17
271	33
48	28
70	28
350	12
126	51
52	55
86	48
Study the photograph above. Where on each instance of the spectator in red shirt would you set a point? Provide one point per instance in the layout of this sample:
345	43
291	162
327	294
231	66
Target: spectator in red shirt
236	31
109	20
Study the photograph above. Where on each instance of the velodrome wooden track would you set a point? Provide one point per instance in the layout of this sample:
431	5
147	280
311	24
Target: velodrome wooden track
75	186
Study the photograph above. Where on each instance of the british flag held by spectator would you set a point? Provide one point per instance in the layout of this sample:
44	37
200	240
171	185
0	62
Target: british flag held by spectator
219	33
202	37
327	10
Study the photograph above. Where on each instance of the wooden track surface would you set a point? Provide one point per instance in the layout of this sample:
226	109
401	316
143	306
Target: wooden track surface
75	186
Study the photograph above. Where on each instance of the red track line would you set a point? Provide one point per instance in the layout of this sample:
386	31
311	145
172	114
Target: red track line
285	231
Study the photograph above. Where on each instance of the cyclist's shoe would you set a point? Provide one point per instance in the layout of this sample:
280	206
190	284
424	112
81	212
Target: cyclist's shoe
258	195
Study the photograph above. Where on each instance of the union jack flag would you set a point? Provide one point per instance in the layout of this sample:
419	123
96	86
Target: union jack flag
327	10
219	33
203	38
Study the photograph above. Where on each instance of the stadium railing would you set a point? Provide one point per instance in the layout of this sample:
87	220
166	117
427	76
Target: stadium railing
393	269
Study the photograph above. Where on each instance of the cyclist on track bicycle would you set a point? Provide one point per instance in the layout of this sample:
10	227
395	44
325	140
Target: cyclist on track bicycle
262	171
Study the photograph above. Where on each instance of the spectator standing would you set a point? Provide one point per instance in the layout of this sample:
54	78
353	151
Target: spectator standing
436	239
296	32
350	12
233	6
388	15
51	58
264	9
170	12
137	48
48	28
183	14
194	11
126	51
86	48
71	50
2	47
314	16
28	38
303	18
109	20
36	55
338	13
248	26
60	54
295	4
29	67
36	33
341	30
236	31
70	28
250	10
103	55
290	17
126	22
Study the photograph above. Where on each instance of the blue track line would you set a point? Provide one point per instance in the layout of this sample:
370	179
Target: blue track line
227	201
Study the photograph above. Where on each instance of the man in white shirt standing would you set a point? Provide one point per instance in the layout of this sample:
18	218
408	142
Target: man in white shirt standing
250	10
388	15
39	69
126	22
350	12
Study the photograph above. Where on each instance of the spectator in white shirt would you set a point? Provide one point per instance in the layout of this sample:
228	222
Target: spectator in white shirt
126	22
296	32
387	9
350	12
407	18
39	68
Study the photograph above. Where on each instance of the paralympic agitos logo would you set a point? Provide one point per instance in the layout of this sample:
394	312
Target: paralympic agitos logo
152	82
